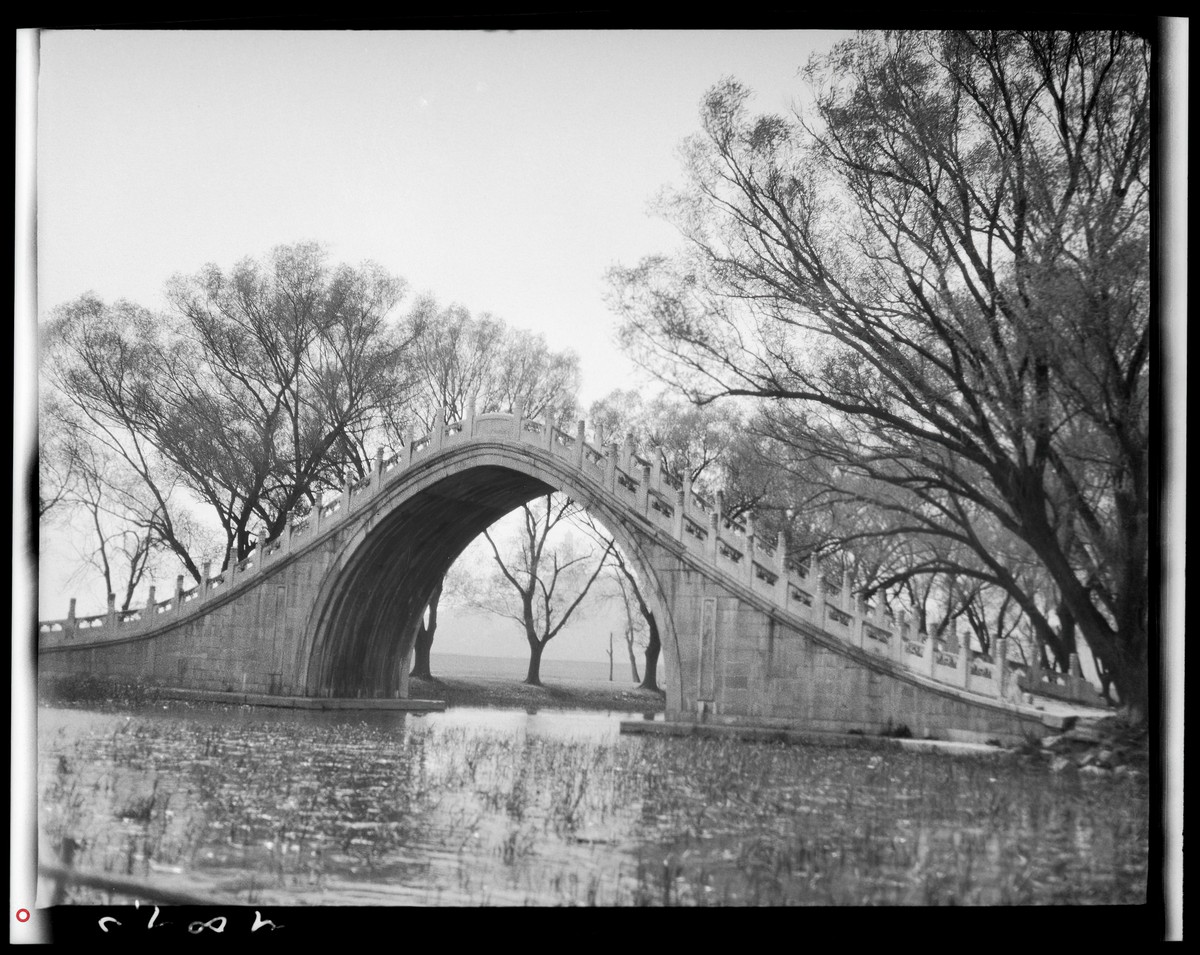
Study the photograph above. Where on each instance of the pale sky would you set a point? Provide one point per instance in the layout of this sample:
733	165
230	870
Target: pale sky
503	171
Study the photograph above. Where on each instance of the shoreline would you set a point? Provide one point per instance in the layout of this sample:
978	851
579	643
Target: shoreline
450	692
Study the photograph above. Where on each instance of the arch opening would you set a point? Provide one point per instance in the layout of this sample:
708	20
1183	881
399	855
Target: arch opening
367	621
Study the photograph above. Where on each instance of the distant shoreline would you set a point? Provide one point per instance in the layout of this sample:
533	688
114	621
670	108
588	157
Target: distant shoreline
555	694
462	665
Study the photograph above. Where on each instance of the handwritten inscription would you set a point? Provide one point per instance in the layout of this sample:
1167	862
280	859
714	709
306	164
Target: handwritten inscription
216	924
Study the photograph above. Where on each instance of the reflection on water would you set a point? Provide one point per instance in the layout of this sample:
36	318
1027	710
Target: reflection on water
505	807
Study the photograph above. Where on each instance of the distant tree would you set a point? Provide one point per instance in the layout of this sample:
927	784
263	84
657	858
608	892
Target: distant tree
123	534
632	592
58	457
541	582
457	358
938	280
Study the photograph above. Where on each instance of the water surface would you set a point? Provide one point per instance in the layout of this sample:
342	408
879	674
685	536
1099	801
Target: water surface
505	807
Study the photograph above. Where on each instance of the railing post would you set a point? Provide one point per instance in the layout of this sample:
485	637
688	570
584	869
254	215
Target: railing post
1075	676
204	572
1000	656
714	530
1035	669
289	519
314	519
347	483
898	635
818	592
408	448
749	554
71	613
518	419
112	611
932	641
179	592
902	636
964	654
781	582
548	430
655	468
150	602
627	454
643	501
610	467
377	470
439	430
720	506
858	610
677	522
469	420
580	431
846	601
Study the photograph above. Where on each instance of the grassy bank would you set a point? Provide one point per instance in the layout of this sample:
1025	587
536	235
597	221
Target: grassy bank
561	694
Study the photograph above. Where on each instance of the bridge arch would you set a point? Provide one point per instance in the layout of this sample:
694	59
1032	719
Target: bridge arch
330	606
370	604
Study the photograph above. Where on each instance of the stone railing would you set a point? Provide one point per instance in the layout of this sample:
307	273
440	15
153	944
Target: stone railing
664	501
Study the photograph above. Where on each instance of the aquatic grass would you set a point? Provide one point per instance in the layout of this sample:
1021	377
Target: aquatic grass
282	810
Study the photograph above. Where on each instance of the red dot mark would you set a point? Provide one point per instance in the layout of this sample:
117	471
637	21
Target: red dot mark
22	915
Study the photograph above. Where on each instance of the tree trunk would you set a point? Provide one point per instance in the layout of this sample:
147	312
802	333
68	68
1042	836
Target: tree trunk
632	656
424	641
421	648
533	677
653	648
1130	676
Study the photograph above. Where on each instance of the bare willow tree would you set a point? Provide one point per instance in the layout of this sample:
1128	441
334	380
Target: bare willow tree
254	392
542	580
458	358
938	278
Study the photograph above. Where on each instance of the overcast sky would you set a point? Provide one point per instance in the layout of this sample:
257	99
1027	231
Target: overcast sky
503	171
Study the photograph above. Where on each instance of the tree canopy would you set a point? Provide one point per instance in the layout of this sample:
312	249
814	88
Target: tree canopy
936	280
255	392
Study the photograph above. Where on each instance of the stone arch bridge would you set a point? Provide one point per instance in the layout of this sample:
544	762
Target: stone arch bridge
330	607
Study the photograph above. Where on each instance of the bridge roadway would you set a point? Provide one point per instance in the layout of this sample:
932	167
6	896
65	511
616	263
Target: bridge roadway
330	607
